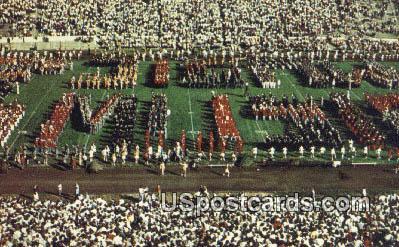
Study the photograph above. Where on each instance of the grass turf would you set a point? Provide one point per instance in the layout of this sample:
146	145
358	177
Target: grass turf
190	107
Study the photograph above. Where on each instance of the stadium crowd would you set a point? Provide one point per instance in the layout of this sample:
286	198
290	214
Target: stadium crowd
94	221
173	24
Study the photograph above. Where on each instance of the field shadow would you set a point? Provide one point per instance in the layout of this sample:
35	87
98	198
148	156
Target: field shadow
245	110
107	136
208	123
335	119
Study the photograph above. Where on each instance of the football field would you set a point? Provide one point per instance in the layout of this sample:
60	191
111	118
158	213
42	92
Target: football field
190	108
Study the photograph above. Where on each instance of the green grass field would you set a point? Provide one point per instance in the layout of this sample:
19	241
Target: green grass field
190	107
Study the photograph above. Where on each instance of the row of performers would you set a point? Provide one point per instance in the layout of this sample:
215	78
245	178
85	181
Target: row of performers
198	76
356	121
53	127
10	116
123	77
381	76
325	75
224	116
161	73
387	105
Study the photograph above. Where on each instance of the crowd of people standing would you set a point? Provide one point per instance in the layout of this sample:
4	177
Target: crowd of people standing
387	105
125	120
161	73
312	126
94	221
380	76
361	126
10	116
53	127
17	68
158	114
173	23
197	74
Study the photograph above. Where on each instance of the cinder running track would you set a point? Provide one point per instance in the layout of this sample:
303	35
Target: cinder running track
332	181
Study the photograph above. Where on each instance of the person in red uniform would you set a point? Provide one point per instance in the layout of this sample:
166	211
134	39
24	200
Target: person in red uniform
199	142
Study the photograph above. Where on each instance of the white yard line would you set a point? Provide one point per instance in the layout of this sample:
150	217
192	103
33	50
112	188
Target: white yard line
293	85
19	132
191	114
326	94
356	96
261	131
249	128
87	140
31	115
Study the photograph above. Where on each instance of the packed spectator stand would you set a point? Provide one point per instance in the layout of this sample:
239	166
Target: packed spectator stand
91	221
173	24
